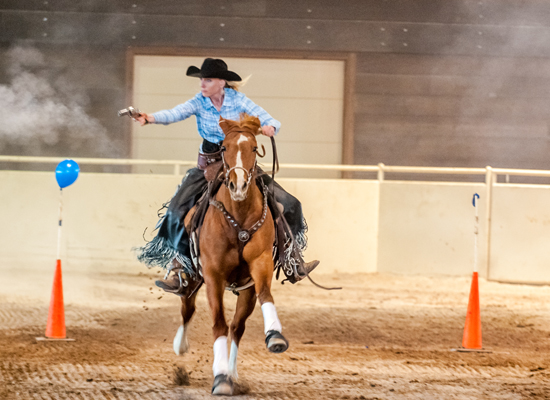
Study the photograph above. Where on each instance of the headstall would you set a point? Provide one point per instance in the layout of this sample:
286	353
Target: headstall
228	169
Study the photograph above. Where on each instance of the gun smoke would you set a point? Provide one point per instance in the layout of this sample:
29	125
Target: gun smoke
42	109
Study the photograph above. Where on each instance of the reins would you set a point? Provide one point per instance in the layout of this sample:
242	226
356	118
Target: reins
275	167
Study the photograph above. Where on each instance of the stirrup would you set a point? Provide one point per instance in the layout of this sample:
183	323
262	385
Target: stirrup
301	271
304	269
181	282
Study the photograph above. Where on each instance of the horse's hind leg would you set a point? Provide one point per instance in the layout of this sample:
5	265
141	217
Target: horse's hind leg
245	305
181	344
261	270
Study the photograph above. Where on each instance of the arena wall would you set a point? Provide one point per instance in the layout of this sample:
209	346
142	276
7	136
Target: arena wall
456	83
354	225
428	228
520	234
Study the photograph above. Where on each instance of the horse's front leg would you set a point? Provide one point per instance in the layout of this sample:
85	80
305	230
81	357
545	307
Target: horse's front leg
215	285
245	305
261	270
181	344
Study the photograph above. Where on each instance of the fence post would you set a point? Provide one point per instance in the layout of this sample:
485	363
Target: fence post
380	172
490	178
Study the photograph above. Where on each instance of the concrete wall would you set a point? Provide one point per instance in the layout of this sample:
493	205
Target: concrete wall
343	221
428	228
520	245
354	225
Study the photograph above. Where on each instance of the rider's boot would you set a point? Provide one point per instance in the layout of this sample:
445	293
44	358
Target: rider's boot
303	269
177	282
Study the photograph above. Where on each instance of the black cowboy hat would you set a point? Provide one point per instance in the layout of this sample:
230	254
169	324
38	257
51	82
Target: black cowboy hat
213	68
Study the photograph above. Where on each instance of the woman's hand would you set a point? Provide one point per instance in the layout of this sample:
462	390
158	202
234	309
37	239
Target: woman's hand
269	131
144	118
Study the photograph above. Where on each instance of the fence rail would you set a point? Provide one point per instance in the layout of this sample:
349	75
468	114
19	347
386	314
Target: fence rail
381	169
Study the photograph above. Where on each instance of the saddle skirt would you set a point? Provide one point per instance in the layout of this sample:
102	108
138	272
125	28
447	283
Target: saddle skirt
211	164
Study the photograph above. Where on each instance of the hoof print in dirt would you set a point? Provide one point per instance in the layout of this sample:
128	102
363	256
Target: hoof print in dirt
240	388
180	377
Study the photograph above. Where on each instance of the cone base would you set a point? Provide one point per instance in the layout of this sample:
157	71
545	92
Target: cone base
463	350
46	339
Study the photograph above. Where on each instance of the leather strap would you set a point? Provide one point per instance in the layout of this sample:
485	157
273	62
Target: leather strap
244	235
205	159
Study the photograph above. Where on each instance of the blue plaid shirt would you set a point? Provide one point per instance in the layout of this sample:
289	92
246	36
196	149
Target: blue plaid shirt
208	117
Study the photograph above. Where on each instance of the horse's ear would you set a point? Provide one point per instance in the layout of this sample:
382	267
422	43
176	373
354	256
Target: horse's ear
253	123
226	124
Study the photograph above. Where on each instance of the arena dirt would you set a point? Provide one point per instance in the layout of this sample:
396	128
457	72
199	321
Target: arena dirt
380	337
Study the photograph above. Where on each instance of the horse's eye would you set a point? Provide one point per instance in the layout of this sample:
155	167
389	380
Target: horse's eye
222	148
254	149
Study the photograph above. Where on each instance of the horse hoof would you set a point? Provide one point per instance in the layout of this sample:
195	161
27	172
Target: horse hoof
276	342
223	386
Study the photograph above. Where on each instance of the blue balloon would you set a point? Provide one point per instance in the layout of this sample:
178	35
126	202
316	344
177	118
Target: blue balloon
66	173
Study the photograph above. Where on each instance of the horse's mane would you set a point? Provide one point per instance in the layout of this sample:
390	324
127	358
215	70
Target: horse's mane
246	123
250	122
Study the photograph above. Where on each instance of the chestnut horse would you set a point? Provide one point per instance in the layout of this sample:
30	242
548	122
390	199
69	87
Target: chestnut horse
235	247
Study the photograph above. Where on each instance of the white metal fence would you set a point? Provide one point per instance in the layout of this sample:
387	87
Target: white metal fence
489	172
515	218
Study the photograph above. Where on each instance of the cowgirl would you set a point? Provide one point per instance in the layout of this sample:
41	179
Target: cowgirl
218	97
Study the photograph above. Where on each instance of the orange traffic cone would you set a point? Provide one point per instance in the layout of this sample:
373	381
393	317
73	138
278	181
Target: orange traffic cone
55	328
472	328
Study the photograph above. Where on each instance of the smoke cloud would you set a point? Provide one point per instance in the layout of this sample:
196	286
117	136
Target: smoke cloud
41	109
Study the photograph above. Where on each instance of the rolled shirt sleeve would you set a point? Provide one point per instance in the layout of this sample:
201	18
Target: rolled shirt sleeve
252	108
208	116
178	113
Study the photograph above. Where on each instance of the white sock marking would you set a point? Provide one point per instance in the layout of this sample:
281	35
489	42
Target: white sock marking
220	356
233	360
271	320
181	344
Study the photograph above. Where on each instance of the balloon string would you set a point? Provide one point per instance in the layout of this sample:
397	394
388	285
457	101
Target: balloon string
60	224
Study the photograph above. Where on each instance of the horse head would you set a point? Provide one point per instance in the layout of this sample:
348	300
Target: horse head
239	150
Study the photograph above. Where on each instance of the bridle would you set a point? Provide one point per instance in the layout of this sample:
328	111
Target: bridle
228	170
249	173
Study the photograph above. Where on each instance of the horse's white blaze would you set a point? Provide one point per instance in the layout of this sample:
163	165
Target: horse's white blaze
240	171
271	320
233	360
239	194
181	344
242	139
221	365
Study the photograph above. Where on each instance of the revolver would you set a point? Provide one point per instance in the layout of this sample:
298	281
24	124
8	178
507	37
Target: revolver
130	111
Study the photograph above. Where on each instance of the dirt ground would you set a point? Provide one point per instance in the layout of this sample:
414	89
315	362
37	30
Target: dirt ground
380	337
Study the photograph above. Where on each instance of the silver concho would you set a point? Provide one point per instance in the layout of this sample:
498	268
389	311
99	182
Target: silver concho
244	236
